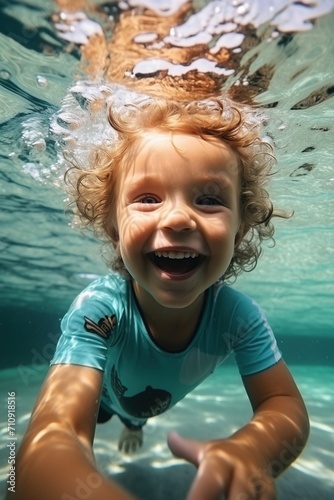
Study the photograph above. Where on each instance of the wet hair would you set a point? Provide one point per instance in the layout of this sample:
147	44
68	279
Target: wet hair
93	188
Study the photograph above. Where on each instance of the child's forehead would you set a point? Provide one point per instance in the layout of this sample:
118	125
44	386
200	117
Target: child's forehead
202	156
153	143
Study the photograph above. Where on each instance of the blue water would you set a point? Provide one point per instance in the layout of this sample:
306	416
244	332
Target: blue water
45	262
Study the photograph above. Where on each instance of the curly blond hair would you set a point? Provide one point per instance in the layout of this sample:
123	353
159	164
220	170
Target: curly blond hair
93	188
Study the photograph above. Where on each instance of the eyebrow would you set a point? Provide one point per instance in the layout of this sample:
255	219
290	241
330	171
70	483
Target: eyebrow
219	179
139	178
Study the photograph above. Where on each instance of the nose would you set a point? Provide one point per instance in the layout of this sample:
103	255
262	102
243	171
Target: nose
178	218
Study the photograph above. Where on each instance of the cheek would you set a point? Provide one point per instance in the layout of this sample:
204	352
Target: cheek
220	229
222	239
134	227
133	234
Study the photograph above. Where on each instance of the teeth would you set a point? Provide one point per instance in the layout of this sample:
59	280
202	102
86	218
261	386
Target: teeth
176	255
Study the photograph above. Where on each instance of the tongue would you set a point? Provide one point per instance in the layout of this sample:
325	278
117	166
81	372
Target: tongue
176	266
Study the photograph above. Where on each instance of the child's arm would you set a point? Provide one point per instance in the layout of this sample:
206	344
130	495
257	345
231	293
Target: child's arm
56	461
244	465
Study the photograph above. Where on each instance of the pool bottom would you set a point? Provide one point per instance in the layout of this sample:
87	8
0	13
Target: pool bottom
217	408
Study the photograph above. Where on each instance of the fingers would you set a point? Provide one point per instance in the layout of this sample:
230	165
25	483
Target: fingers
208	484
218	484
222	472
210	479
214	484
257	486
181	447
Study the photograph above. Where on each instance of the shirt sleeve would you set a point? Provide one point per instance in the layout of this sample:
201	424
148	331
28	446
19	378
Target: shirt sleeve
253	343
87	330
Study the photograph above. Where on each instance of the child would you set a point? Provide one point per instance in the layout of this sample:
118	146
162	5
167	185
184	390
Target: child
180	196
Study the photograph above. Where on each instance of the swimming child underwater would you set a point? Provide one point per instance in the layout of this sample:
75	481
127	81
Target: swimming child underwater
181	198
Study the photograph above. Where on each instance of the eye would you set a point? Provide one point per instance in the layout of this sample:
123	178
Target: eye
148	199
209	200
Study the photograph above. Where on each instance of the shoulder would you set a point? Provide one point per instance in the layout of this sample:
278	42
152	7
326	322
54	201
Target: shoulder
99	307
247	316
110	290
243	319
231	299
234	313
245	330
92	324
105	285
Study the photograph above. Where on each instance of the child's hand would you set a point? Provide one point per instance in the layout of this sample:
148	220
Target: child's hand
243	466
225	470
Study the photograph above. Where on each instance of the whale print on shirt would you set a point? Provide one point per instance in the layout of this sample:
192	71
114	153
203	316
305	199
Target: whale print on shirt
145	404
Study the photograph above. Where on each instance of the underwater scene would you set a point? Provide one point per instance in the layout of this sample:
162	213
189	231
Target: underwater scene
55	70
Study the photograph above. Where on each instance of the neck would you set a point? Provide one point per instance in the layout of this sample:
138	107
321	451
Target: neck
171	328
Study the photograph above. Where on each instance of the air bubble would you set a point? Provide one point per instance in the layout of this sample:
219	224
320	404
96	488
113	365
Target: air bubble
243	9
42	81
32	169
4	74
38	146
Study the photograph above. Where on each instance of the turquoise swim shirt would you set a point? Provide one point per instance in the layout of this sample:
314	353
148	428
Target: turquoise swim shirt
105	329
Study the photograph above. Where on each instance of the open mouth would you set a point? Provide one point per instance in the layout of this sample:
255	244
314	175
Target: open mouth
175	262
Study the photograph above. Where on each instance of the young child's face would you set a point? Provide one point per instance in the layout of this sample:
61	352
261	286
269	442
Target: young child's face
177	215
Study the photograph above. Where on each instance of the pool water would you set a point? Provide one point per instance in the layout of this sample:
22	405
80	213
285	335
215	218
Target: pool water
45	262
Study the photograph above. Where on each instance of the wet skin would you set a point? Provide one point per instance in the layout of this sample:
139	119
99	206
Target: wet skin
178	223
